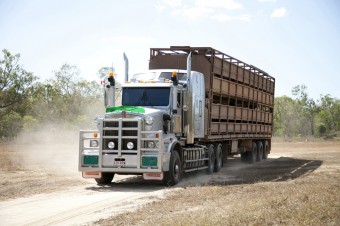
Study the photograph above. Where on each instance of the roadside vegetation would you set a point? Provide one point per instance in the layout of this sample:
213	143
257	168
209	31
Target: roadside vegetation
26	103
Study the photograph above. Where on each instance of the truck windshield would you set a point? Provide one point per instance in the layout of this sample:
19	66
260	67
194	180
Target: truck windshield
146	96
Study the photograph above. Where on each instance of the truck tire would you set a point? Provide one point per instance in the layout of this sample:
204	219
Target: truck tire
244	156
211	159
174	175
265	150
259	156
218	158
252	154
106	178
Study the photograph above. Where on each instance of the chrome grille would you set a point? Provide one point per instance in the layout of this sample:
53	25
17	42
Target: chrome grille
121	132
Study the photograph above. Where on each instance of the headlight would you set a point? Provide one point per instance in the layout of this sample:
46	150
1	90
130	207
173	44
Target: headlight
149	120
130	145
111	145
94	143
151	144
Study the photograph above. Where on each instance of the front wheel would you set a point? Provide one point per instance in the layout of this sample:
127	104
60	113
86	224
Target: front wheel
174	175
106	178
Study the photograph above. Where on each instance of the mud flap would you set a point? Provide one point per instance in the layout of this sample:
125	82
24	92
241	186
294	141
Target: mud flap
153	176
92	174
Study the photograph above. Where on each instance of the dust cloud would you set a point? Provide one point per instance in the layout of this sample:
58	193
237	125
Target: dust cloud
49	147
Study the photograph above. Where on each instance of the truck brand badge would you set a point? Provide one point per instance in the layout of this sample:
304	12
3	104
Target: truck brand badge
123	114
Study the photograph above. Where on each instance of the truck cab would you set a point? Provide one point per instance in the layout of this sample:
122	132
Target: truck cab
160	109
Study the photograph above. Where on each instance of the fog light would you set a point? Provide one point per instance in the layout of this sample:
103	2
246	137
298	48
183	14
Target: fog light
130	145
151	144
111	145
94	143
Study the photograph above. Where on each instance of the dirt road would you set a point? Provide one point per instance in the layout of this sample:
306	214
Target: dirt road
77	205
88	202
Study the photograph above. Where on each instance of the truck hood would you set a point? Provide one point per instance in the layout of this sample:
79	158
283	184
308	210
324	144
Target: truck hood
132	112
139	112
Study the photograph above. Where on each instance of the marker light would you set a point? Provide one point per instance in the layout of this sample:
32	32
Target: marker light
95	135
174	78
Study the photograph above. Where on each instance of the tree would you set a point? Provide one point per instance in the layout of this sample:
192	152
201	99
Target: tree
307	110
16	87
285	120
16	84
67	97
305	116
329	115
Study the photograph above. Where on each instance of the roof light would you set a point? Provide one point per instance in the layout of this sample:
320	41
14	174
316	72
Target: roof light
174	78
111	74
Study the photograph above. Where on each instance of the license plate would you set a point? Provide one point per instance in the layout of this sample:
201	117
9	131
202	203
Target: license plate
119	163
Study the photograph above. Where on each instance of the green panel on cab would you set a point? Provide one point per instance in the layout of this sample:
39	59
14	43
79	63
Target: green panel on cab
149	161
90	160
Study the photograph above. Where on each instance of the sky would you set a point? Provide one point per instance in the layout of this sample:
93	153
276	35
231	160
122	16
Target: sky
297	42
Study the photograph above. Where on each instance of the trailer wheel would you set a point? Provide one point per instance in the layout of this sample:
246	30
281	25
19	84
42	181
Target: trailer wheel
218	158
253	154
244	156
106	178
211	159
259	151
265	150
173	176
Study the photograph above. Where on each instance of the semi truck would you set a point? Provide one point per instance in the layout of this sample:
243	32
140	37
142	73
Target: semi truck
193	108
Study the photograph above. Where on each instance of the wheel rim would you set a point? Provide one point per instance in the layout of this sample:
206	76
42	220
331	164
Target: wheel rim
219	162
212	165
176	170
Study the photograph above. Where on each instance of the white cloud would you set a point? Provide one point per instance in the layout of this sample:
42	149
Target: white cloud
266	0
193	12
226	4
172	3
280	12
161	5
203	9
222	17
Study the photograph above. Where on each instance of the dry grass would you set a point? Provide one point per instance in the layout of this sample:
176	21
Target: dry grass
311	198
